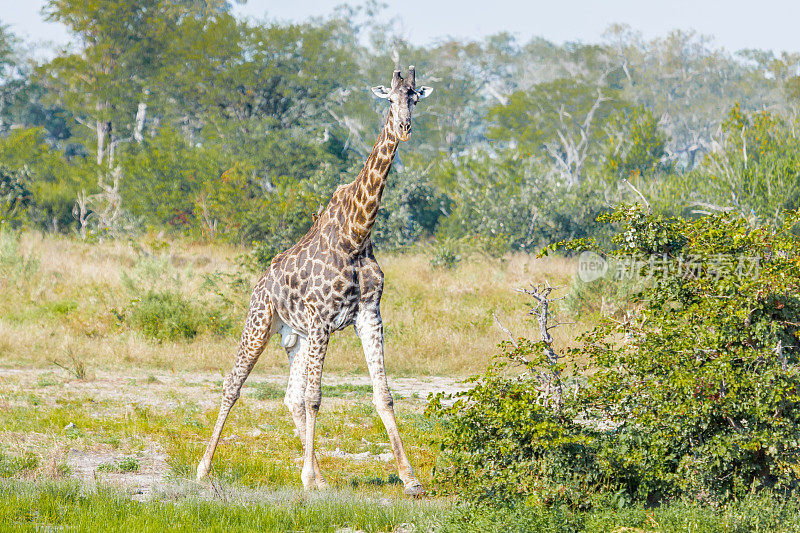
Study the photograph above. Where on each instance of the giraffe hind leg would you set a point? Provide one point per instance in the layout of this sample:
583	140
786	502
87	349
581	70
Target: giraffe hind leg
260	325
295	392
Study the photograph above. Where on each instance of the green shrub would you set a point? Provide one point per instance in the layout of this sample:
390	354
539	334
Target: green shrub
445	254
693	395
166	316
15	195
501	442
120	466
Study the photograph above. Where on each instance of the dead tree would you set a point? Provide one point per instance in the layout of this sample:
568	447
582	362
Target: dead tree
549	385
571	151
81	212
107	204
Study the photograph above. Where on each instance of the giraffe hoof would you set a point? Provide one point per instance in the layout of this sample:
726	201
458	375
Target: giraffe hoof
308	480
414	490
202	470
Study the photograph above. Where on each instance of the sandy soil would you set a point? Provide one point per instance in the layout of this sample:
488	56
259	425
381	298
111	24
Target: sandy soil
158	388
164	390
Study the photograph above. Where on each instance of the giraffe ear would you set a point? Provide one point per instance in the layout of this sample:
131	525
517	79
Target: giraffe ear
380	91
424	91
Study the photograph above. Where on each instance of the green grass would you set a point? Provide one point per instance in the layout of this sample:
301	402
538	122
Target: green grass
272	391
11	466
123	465
259	446
346	390
756	513
28	506
25	507
267	391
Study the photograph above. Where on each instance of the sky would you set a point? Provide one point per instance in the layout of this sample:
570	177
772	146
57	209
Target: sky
734	24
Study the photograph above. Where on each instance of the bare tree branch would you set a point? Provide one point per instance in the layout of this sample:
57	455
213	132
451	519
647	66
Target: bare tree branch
629	184
505	330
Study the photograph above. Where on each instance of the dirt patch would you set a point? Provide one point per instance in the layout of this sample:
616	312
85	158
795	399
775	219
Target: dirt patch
138	465
165	390
148	477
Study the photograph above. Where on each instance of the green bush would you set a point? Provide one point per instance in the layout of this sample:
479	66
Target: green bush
502	443
445	254
694	395
511	201
170	316
15	195
166	316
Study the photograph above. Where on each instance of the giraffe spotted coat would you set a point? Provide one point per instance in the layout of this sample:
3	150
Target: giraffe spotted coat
326	282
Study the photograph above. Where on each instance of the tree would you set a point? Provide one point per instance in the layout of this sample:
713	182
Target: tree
634	144
562	119
692	393
15	195
105	83
753	168
53	180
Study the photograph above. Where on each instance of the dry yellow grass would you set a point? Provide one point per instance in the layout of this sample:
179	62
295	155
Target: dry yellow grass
437	321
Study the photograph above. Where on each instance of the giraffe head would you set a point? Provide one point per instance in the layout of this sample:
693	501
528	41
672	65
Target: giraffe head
403	96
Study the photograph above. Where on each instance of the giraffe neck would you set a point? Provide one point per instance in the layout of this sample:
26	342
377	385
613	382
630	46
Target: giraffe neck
369	185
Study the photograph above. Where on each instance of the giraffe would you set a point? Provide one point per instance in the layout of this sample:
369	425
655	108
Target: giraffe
326	282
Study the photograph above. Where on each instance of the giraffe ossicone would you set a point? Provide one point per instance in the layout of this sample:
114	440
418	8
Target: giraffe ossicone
326	282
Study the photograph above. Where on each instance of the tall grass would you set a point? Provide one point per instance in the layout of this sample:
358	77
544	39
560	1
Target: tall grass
181	306
57	506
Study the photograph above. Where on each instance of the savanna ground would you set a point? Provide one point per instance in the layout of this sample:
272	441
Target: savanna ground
107	400
112	357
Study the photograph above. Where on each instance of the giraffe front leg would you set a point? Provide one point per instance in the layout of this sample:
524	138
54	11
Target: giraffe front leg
295	398
369	327
317	346
257	330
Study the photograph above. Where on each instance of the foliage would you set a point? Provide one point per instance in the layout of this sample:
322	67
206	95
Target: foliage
165	316
410	209
694	395
218	128
514	202
503	442
52	179
635	144
445	254
15	195
531	118
755	168
163	313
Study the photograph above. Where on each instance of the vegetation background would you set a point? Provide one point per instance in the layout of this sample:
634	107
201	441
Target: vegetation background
151	170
